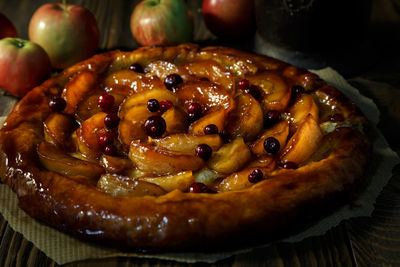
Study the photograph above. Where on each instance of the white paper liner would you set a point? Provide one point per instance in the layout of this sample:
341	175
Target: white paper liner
63	248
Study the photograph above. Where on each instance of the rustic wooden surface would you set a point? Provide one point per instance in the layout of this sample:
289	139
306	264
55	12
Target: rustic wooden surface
373	241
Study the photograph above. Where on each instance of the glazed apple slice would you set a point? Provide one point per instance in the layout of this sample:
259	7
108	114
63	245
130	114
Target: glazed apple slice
58	128
176	120
303	143
208	95
87	136
215	115
181	181
275	91
246	120
268	162
160	161
123	186
303	105
131	125
187	143
230	157
280	131
79	86
126	82
55	159
162	69
142	98
115	164
213	71
237	181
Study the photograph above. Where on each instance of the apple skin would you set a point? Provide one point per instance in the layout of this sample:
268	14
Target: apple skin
68	33
161	22
229	19
23	65
7	29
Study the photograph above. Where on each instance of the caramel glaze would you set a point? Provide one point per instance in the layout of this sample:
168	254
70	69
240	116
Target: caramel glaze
179	220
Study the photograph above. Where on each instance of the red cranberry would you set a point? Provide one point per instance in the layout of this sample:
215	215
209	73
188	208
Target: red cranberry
106	102
57	104
155	126
254	91
105	139
271	145
243	84
211	129
194	111
287	165
272	117
255	176
110	150
203	151
136	67
198	188
226	137
165	105
111	120
172	80
153	105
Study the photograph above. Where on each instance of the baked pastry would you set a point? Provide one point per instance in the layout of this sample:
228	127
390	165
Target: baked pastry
181	148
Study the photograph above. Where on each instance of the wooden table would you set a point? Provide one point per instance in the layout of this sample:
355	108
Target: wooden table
373	241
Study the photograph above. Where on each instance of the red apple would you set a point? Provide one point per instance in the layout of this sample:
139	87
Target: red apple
229	19
23	65
161	22
7	29
68	33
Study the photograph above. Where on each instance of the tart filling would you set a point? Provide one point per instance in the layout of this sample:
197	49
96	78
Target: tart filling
180	146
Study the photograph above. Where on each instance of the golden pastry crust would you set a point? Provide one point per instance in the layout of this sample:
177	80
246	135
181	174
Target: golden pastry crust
177	219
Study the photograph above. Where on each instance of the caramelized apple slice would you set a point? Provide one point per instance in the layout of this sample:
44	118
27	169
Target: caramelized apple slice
115	164
280	131
87	136
275	92
247	118
126	82
268	162
131	126
187	143
303	106
180	181
142	98
122	186
230	157
176	120
207	176
160	161
303	143
237	181
208	95
162	69
81	85
58	128
90	106
214	116
214	72
55	159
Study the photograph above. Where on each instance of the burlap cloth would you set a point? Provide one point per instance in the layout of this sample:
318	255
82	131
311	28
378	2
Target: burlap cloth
63	248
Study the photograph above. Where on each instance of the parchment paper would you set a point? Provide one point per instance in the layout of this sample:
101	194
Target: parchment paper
63	248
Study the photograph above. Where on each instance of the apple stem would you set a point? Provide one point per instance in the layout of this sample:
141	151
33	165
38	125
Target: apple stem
64	2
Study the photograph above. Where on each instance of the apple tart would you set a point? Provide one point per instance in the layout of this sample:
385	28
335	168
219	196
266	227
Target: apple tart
182	147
